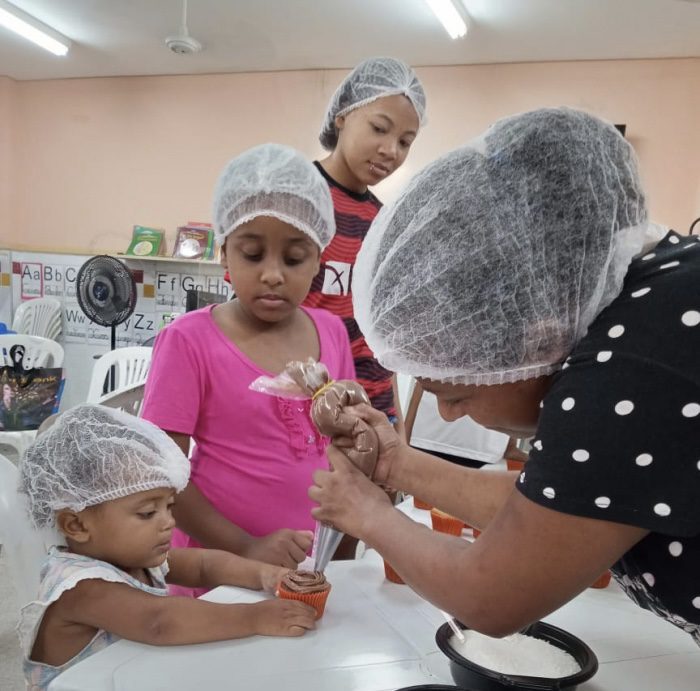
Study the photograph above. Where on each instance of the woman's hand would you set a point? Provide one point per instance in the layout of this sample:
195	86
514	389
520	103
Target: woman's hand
348	500
284	547
391	446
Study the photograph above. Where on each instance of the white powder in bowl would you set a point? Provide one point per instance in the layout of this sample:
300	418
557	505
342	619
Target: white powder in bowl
516	654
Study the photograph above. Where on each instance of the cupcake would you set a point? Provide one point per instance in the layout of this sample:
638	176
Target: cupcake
390	574
310	587
444	523
420	504
512	464
603	581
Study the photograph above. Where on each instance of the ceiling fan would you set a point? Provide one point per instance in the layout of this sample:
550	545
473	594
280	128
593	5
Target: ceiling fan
183	43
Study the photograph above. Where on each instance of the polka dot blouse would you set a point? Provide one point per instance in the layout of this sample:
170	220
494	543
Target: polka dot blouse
619	431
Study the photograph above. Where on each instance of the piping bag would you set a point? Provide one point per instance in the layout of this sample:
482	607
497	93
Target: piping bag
310	380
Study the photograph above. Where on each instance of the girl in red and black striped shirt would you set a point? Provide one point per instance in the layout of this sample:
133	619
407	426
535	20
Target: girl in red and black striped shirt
370	125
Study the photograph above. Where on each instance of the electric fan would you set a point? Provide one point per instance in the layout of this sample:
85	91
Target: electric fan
106	292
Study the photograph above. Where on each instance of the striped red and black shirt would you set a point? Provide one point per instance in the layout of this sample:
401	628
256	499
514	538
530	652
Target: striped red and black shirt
331	289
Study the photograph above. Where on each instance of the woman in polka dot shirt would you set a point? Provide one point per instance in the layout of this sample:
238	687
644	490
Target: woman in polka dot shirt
520	280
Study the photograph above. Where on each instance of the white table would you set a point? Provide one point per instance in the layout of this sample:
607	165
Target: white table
379	636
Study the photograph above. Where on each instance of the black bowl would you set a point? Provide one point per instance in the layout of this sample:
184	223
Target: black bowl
477	678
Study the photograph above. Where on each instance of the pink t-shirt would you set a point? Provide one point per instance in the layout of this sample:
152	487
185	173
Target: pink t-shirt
255	453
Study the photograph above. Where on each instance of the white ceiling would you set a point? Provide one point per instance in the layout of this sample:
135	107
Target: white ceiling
126	37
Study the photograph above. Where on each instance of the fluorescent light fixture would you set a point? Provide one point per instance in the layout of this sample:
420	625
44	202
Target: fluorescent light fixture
25	25
450	17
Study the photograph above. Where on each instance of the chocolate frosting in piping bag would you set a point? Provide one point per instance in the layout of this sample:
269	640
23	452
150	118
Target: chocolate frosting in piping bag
329	399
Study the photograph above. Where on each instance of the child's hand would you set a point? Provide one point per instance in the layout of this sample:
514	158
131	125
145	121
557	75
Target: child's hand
283	547
283	618
270	577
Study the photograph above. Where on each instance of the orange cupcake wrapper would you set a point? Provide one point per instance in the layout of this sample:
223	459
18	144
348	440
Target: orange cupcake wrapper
446	524
419	504
391	575
603	581
512	464
316	600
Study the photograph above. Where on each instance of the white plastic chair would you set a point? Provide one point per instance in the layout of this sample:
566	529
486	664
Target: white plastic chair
131	367
128	399
35	351
39	317
26	547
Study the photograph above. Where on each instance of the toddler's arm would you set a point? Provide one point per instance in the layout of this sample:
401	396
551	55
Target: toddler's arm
208	568
164	620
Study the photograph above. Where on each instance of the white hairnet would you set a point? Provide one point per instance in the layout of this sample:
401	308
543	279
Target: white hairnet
372	79
94	454
495	259
273	180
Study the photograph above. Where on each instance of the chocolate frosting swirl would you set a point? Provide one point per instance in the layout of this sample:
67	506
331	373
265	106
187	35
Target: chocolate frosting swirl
305	581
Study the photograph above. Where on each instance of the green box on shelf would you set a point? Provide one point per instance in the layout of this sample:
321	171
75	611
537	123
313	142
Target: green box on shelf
146	242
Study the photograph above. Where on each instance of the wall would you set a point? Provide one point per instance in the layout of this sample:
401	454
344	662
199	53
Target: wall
95	156
8	101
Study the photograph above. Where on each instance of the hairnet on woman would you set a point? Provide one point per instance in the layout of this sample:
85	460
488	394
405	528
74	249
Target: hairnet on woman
528	242
520	281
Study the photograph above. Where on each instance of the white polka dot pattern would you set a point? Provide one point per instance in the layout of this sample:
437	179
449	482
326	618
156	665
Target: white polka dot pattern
662	509
626	416
675	548
691	410
624	407
691	318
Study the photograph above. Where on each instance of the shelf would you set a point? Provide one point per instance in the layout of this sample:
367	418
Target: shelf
171	260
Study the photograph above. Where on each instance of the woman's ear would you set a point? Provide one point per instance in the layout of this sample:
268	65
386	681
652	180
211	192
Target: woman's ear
71	524
339	122
222	260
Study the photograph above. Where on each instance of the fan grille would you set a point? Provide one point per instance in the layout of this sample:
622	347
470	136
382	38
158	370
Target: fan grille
106	290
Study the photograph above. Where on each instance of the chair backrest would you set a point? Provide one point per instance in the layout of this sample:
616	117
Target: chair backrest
128	399
31	351
131	367
26	547
39	317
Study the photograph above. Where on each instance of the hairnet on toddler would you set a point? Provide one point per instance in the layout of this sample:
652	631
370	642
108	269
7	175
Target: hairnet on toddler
273	180
94	454
371	79
495	259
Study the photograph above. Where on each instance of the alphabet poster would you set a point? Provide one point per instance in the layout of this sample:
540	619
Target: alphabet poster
161	287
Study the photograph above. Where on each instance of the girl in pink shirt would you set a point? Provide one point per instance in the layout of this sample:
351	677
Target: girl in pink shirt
254	454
